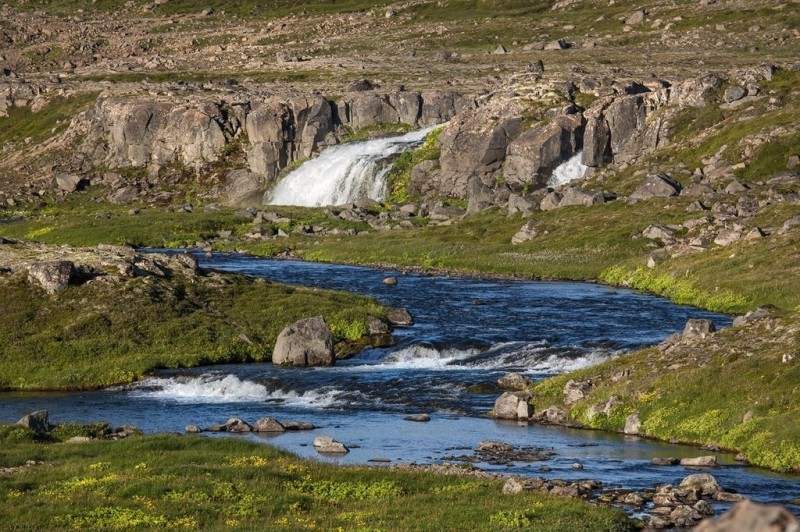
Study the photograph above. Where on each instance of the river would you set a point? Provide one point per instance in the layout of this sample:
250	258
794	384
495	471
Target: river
467	333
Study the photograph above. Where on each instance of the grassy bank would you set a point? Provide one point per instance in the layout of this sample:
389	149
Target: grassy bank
101	333
181	482
733	390
597	243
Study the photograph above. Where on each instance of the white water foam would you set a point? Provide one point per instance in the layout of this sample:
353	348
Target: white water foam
425	357
535	357
344	173
231	389
568	171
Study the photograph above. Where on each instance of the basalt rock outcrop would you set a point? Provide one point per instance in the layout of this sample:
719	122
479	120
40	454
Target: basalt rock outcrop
270	132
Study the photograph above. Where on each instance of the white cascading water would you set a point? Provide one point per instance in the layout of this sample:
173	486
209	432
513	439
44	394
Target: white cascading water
344	173
568	171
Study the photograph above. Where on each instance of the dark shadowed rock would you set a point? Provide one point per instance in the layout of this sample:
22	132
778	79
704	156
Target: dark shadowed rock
698	328
361	86
36	421
52	276
307	342
665	461
659	185
297	425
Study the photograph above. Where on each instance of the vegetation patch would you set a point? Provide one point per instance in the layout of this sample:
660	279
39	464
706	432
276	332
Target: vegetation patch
677	394
179	482
106	331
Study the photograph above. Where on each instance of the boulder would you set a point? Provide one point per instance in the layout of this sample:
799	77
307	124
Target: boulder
532	157
237	425
399	317
551	415
514	382
526	232
479	195
665	461
297	425
551	201
243	185
580	196
513	405
123	195
390	281
748	516
698	328
637	17
726	237
658	185
68	182
734	93
520	204
633	424
327	445
267	424
700	461
36	421
306	342
52	276
574	391
192	429
702	482
419	418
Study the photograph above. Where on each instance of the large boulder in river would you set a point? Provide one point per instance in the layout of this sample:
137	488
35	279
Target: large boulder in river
513	405
327	445
307	342
52	276
748	516
702	482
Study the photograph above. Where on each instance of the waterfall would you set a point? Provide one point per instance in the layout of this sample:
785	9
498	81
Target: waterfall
568	171
344	173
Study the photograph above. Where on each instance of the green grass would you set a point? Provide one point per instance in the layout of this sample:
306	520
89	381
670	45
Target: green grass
54	118
192	482
679	397
101	333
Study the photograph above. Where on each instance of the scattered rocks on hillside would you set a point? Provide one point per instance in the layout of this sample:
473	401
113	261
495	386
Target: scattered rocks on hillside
327	445
526	232
306	342
657	185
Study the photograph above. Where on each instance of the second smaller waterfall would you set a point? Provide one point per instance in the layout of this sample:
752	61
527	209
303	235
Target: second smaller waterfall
344	173
568	171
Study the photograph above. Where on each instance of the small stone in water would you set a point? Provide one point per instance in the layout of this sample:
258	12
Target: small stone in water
576	465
